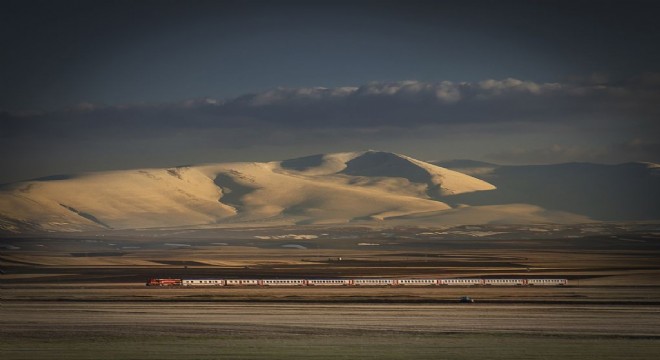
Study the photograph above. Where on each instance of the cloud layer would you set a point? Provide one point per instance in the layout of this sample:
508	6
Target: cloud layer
584	119
405	104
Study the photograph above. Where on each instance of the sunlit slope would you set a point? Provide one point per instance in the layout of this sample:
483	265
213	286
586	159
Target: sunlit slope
492	215
331	188
118	199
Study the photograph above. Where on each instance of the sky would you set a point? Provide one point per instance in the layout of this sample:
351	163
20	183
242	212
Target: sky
101	85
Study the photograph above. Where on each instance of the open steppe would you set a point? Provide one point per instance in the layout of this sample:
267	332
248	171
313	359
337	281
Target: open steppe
586	255
81	296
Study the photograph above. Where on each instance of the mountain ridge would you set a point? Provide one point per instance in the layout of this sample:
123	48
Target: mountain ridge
362	188
321	192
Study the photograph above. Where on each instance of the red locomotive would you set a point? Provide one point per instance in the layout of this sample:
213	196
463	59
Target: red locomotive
164	282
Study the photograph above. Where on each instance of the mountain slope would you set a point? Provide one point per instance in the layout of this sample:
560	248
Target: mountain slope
628	191
368	187
330	188
117	199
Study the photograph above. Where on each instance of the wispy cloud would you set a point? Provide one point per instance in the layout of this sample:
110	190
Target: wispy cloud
617	152
550	154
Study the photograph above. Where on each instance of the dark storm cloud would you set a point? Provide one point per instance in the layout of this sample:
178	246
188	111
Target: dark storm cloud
129	63
405	105
58	53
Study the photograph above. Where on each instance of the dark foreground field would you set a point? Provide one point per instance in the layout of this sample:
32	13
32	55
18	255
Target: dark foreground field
203	330
83	296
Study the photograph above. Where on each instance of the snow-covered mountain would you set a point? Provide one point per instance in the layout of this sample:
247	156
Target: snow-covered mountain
321	189
368	187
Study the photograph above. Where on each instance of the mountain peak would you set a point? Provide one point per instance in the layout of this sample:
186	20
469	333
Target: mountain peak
374	164
386	164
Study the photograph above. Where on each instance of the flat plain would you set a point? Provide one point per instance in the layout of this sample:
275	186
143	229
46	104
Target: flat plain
209	330
83	296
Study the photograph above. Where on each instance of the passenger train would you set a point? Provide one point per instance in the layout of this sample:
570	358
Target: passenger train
357	282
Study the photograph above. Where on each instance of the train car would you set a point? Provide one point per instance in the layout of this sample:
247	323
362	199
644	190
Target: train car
283	282
547	282
505	282
329	282
242	282
416	282
373	282
461	282
355	282
164	282
203	282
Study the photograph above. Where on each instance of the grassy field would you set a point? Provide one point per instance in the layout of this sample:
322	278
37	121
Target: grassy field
381	346
34	330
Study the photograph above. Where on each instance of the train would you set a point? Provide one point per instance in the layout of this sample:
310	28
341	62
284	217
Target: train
358	282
